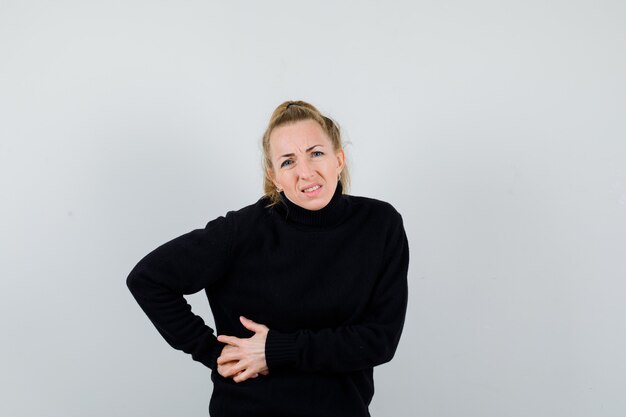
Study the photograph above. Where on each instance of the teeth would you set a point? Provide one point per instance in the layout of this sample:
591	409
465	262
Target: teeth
308	190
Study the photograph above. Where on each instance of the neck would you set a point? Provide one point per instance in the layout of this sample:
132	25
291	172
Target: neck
327	216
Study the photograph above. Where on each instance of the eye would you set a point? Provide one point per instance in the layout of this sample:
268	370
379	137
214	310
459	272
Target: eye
286	162
317	153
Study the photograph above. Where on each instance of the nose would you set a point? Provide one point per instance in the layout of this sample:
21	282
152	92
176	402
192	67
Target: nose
304	169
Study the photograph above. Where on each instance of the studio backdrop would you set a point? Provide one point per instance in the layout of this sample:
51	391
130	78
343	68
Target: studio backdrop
496	128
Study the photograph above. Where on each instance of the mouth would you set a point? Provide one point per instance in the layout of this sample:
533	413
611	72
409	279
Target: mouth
312	189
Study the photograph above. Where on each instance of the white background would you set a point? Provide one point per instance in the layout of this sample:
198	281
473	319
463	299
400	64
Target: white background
497	129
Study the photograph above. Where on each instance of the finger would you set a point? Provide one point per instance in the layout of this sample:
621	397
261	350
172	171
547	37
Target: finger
222	359
229	340
233	370
228	357
228	349
246	374
223	370
251	325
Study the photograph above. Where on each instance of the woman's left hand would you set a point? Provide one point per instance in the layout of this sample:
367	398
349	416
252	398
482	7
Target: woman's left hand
244	358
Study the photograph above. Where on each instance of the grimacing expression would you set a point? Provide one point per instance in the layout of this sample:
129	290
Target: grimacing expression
305	164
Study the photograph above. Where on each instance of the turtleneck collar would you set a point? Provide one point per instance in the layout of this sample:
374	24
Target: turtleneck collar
327	216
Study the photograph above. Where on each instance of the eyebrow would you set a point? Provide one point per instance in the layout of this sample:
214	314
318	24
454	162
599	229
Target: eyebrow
291	154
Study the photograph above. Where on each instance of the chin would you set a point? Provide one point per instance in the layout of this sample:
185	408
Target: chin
315	205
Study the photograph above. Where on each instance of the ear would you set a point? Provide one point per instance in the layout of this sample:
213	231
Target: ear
341	160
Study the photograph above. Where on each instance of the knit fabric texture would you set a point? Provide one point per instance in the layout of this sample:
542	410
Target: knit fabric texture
330	284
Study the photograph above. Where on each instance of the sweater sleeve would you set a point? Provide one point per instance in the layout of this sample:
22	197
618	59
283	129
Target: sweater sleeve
362	345
184	265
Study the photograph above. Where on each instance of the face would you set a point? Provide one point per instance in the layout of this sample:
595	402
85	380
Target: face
304	163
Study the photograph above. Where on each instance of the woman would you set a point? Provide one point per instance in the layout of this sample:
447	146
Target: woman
308	286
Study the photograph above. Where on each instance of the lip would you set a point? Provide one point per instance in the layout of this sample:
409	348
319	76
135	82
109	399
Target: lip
313	184
315	193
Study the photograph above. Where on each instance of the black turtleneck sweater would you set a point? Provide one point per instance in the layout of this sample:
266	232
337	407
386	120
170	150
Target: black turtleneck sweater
330	284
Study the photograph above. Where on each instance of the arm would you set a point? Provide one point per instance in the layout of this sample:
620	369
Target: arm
184	265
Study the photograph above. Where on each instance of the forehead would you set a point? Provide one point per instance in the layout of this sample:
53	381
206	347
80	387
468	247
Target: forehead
297	137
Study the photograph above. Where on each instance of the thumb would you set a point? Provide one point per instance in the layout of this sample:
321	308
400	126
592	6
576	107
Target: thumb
251	325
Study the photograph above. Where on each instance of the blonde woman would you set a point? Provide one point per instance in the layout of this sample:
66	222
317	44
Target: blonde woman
307	286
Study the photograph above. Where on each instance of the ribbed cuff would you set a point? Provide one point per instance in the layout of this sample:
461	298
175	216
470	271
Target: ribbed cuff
280	350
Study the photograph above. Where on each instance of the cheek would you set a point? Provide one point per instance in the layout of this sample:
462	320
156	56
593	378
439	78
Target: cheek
332	167
282	176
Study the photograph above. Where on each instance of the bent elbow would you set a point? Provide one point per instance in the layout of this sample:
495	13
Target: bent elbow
387	348
136	280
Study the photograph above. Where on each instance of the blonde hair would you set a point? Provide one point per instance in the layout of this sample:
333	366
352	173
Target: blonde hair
291	112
